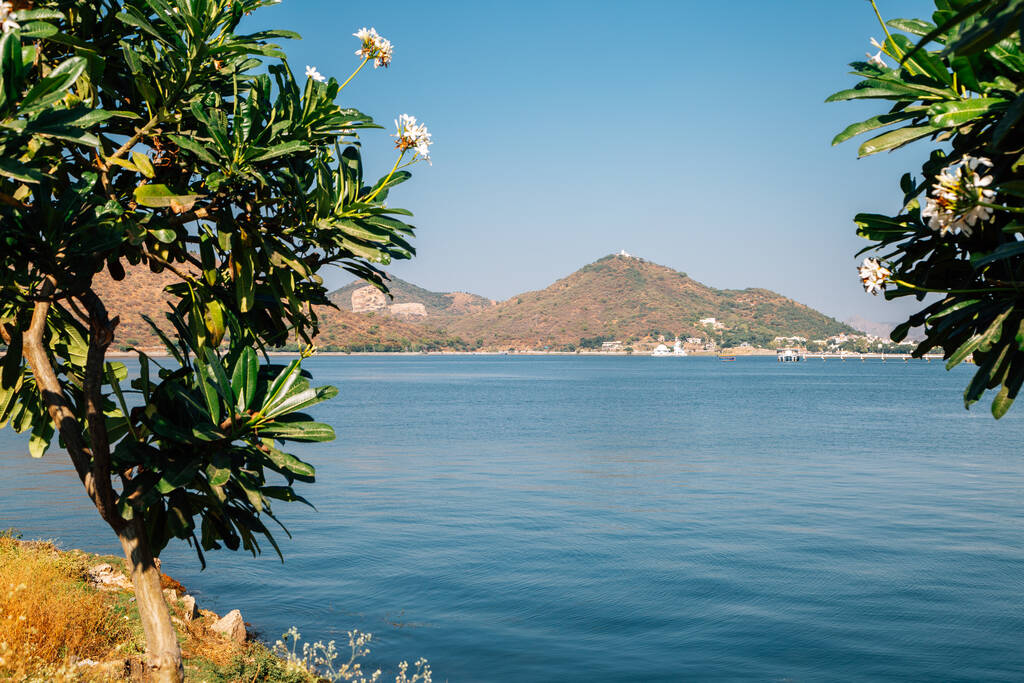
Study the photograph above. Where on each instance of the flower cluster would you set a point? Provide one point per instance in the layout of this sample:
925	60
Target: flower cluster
876	59
374	47
320	660
873	275
8	17
311	72
957	195
412	135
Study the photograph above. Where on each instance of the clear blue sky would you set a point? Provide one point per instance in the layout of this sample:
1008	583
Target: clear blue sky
693	134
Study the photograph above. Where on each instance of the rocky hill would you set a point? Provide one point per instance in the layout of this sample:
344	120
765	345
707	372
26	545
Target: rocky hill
141	292
407	300
625	297
615	298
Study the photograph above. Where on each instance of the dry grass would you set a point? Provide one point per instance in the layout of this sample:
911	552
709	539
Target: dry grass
51	617
49	614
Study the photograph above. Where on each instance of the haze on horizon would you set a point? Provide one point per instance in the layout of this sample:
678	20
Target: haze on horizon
690	134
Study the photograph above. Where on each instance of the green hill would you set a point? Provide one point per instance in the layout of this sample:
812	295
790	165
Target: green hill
624	297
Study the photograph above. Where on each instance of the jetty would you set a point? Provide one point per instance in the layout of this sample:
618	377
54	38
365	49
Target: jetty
871	356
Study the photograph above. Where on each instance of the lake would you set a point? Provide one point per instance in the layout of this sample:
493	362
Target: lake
620	519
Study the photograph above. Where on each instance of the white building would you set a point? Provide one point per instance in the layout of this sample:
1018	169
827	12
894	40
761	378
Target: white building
712	322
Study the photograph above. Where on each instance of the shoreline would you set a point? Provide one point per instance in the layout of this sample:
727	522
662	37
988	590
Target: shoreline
752	353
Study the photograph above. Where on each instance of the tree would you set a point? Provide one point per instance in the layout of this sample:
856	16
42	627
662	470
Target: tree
152	133
958	232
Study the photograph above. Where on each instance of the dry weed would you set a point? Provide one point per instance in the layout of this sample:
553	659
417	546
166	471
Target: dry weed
49	615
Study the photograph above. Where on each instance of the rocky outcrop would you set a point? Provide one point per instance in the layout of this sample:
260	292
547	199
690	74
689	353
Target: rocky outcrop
408	310
368	299
189	608
232	626
106	578
372	300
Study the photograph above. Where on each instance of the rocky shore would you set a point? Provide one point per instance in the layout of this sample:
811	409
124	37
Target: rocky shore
70	616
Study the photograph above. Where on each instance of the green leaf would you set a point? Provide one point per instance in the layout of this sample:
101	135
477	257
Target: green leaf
289	463
194	147
874	226
876	122
298	431
38	14
285	493
1008	121
40	439
895	139
243	379
19	171
979	341
37	30
865	94
917	27
218	476
210	393
295	401
213	320
283	149
952	309
51	87
159	196
144	164
180	476
278	389
164	235
953	114
245	284
921	61
1004	251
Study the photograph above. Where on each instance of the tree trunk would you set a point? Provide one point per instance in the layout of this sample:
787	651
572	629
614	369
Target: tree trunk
162	651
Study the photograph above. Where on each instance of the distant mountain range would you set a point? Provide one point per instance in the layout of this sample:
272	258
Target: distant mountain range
882	329
618	297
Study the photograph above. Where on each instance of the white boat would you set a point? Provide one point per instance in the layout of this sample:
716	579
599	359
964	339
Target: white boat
676	350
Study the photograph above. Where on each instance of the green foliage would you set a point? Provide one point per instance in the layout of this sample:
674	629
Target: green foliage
256	663
594	342
957	234
153	133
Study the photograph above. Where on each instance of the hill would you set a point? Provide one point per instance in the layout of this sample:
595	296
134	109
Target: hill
617	297
436	304
628	298
141	292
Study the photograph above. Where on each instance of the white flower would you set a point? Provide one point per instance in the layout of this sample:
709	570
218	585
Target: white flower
8	17
876	44
873	275
954	203
412	135
374	47
311	72
876	60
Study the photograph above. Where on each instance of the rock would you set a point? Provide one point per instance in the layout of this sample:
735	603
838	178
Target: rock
171	595
105	577
366	299
189	608
408	310
113	669
231	626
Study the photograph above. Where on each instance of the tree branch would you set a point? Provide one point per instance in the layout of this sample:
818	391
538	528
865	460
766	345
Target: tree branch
189	216
49	386
101	334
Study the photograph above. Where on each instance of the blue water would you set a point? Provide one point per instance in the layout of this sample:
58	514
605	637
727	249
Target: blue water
621	519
